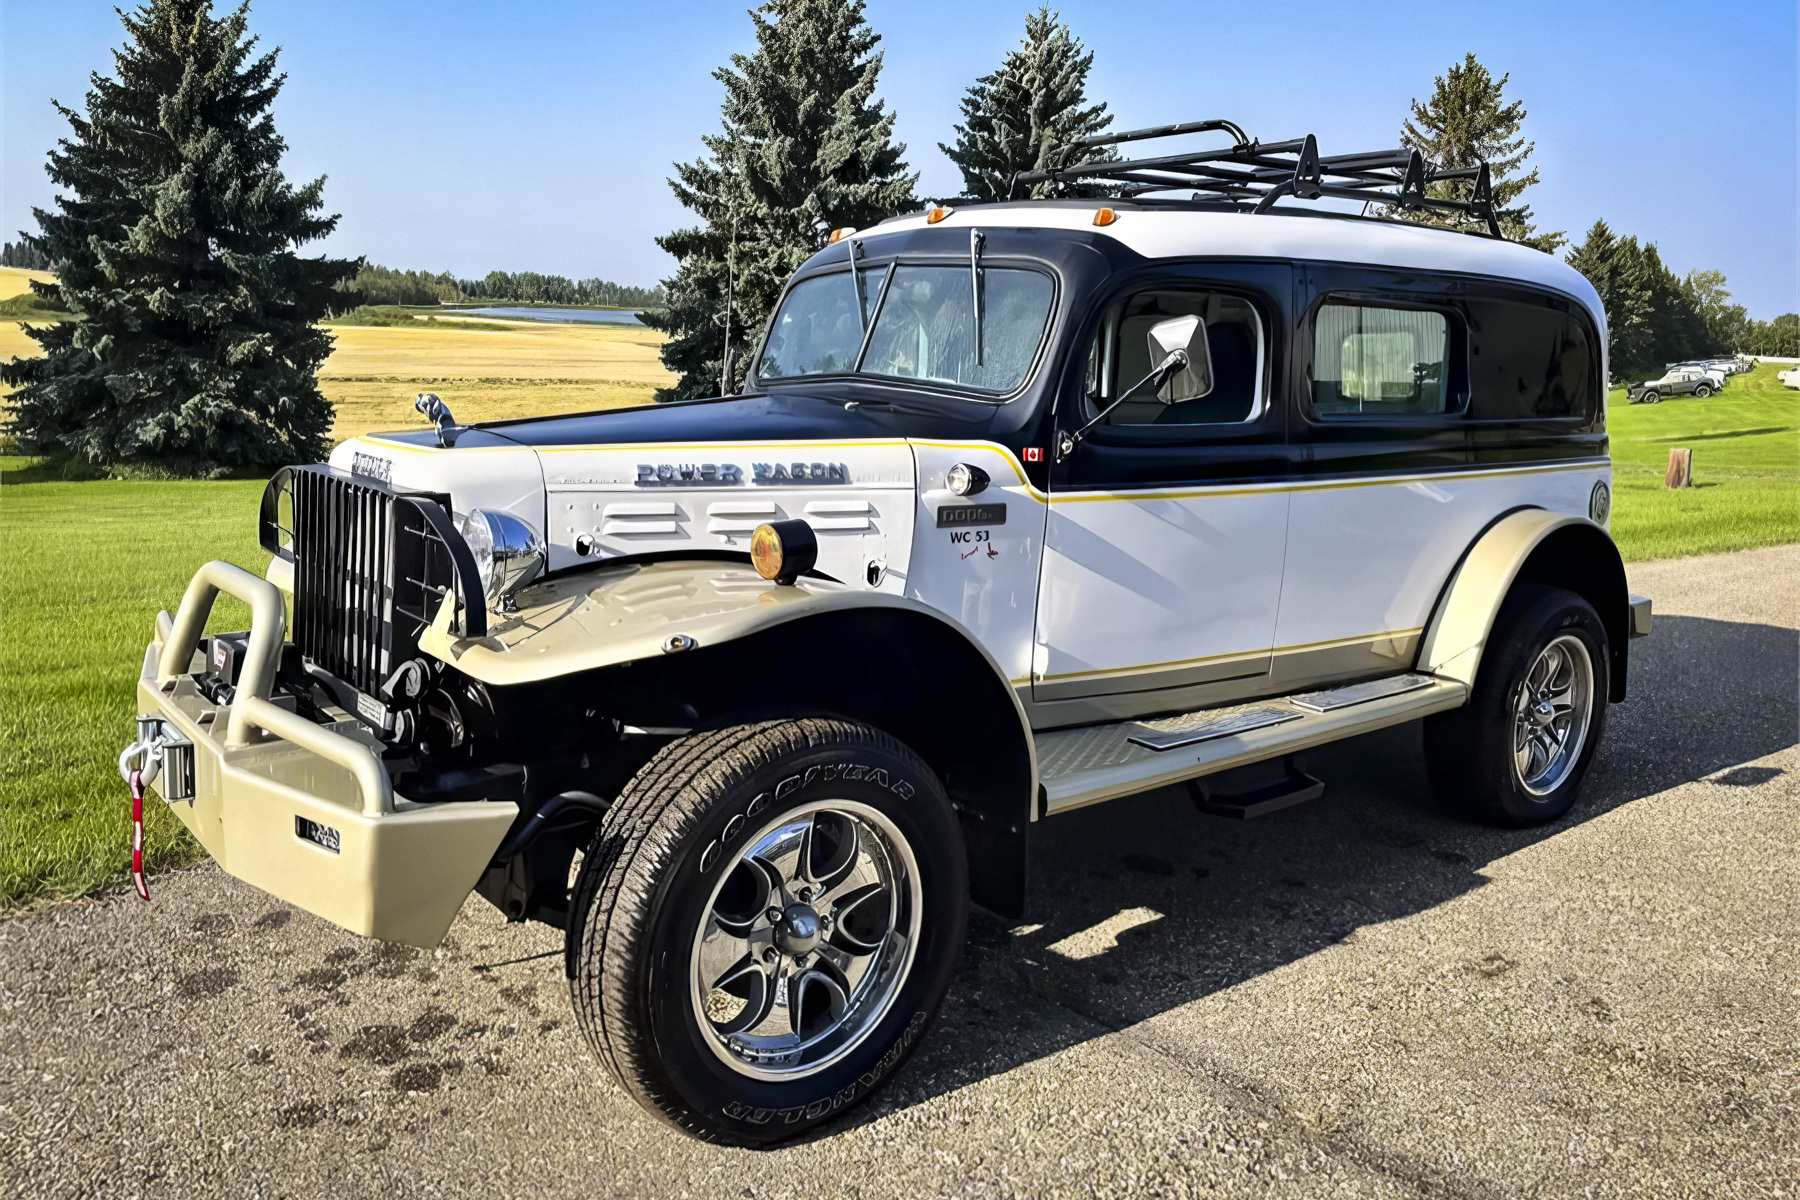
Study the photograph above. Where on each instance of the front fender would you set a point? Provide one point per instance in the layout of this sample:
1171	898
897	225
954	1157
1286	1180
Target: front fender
634	611
738	643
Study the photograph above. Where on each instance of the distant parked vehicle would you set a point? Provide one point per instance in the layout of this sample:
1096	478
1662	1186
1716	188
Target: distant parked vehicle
1788	378
1715	370
1679	381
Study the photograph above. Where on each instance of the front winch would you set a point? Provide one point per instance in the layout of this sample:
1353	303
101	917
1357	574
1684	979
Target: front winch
159	750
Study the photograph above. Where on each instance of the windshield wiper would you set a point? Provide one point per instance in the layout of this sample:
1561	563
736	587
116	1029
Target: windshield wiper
976	238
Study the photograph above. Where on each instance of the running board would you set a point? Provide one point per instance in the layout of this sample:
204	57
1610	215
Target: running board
1103	762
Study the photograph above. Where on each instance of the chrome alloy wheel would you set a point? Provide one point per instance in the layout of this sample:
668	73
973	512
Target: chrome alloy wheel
1551	708
807	939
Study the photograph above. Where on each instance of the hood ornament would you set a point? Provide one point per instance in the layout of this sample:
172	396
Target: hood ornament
439	414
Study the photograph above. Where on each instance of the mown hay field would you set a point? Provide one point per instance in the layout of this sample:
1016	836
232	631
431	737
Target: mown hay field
530	369
14	281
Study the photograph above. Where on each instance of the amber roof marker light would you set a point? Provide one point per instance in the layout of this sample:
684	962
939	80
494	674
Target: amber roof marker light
1104	217
933	216
783	551
839	234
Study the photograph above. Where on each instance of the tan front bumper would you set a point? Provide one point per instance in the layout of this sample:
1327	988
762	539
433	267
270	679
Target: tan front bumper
400	871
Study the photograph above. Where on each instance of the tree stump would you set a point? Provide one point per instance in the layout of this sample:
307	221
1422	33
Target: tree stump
1681	469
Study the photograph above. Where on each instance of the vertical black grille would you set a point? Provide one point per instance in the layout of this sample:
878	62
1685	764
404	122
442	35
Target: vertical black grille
344	578
371	570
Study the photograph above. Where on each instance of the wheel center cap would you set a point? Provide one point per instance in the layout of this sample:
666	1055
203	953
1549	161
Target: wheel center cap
798	930
1543	712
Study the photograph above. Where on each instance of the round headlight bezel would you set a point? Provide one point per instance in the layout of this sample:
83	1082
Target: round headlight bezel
508	552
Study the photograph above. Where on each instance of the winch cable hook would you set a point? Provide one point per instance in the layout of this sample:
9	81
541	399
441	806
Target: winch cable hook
136	777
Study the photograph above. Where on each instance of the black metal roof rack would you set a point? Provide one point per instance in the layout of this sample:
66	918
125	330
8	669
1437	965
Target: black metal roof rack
1261	173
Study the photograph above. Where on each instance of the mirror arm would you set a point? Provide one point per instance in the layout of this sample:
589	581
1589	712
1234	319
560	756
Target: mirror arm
1165	370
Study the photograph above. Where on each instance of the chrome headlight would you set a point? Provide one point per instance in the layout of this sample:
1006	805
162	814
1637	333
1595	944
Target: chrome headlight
508	553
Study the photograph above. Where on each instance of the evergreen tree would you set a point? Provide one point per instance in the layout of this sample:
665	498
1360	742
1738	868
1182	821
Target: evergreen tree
1652	317
1466	122
805	148
195	349
1026	115
1624	293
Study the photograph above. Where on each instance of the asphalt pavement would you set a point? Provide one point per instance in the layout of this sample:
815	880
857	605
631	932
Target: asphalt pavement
1363	996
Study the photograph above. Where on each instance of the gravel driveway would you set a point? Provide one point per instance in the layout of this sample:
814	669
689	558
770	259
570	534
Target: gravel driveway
1361	996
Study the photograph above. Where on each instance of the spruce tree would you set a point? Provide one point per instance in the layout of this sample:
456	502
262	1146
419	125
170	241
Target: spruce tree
1026	115
1652	317
1466	122
195	350
805	148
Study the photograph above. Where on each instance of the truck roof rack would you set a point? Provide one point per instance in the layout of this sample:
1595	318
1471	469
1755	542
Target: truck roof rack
1260	173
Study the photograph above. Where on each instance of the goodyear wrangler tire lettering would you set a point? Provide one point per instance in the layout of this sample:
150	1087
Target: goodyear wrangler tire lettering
707	805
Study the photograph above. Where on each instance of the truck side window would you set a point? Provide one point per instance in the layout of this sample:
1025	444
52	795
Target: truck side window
1120	357
1371	361
1528	362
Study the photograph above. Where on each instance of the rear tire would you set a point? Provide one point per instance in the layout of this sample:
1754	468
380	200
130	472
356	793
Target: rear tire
1517	752
812	861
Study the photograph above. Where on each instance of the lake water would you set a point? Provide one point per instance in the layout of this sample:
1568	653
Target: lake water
605	316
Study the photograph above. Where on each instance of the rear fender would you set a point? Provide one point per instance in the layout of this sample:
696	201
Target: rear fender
1528	546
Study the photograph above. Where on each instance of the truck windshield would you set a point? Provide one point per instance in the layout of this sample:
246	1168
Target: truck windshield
925	327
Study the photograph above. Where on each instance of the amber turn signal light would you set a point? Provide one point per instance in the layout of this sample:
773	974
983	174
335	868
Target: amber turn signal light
838	235
937	214
1105	217
783	550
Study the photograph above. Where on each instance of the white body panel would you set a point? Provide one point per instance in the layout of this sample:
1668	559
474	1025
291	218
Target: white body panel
857	496
983	577
1367	558
497	478
1158	589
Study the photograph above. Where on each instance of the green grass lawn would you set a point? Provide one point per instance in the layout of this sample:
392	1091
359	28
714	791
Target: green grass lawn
83	569
84	566
1746	444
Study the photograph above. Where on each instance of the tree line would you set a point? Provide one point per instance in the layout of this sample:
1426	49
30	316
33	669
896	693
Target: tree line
375	284
1655	318
24	256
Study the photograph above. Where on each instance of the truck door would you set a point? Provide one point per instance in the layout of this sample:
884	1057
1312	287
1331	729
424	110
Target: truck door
1168	521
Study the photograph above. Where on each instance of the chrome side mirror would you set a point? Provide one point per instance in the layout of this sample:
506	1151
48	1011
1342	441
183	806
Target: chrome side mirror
1186	336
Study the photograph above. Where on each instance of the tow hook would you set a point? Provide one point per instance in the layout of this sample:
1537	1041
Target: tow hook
139	765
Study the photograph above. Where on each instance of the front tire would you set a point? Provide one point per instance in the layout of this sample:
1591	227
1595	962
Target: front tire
765	924
1517	752
1702	392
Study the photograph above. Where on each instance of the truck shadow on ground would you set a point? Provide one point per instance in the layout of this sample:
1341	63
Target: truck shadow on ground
1145	904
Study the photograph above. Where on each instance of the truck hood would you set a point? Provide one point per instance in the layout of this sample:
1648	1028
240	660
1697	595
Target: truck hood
686	480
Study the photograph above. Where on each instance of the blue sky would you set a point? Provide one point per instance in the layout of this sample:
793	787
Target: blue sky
537	135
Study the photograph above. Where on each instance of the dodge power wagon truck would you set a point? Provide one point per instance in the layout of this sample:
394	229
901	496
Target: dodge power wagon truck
1025	506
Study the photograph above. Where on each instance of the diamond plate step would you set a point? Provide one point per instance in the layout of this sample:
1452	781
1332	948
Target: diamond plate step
1102	762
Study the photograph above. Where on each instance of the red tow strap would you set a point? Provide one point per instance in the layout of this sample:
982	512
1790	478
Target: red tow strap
136	782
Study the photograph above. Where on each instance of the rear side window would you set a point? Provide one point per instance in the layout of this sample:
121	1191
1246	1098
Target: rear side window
1528	362
1371	361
